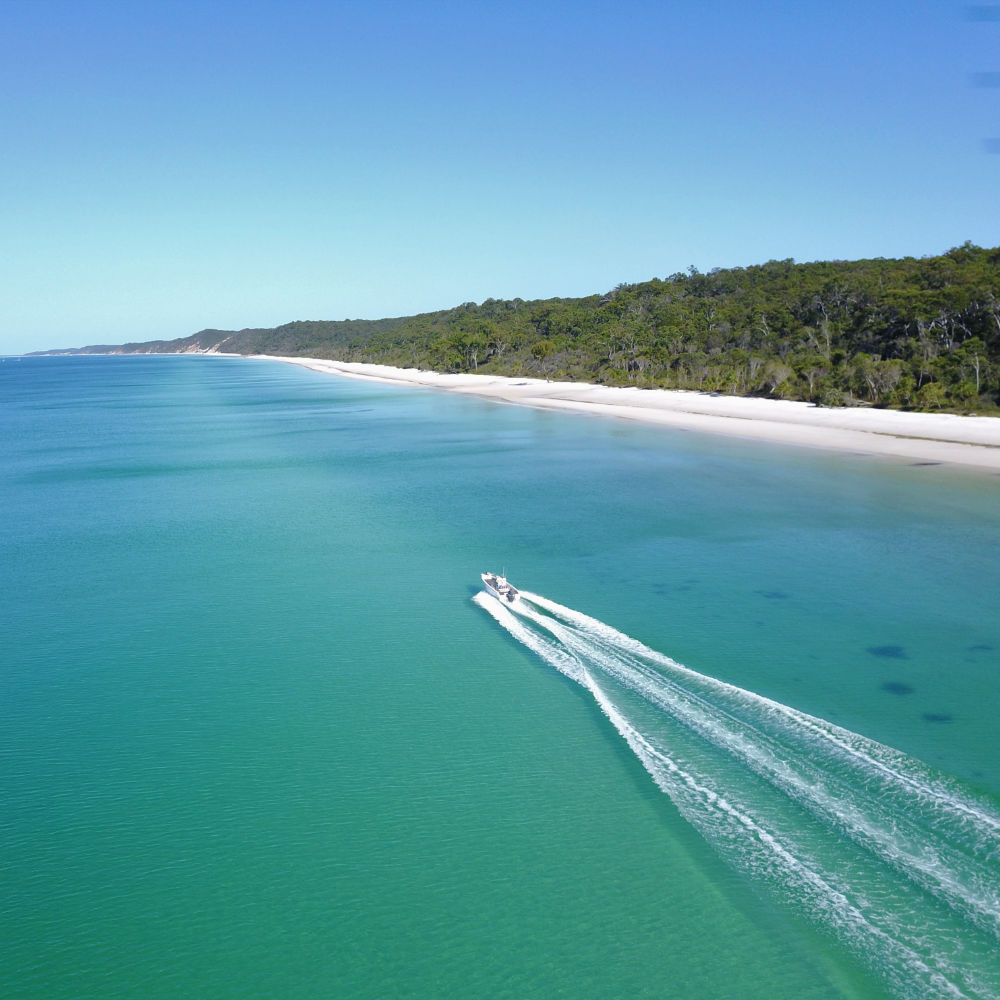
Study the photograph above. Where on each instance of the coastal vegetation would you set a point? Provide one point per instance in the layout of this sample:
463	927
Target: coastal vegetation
915	333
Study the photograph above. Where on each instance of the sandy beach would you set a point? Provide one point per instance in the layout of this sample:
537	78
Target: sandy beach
917	437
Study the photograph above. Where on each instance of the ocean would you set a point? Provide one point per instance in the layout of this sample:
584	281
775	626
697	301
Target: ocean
261	733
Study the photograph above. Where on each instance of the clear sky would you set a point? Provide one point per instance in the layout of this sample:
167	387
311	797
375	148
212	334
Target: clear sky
169	166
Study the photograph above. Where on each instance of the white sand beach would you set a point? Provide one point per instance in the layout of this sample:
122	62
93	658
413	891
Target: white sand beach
916	437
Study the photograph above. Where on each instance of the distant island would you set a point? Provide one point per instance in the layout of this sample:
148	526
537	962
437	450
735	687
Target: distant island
916	333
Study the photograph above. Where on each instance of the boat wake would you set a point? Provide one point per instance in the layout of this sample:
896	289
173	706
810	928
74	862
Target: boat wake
898	860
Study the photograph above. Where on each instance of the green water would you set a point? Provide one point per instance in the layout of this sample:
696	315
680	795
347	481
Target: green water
257	739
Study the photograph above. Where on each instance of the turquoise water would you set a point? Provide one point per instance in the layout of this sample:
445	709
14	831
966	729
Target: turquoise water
259	736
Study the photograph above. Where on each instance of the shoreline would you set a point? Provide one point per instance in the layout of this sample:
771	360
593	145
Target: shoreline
932	438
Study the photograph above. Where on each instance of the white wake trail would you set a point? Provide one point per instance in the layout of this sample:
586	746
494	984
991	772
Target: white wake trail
881	758
873	820
819	888
818	795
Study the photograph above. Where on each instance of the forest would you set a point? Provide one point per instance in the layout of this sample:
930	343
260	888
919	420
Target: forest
913	333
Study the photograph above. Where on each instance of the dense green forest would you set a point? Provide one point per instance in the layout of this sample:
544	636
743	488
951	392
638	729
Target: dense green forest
918	333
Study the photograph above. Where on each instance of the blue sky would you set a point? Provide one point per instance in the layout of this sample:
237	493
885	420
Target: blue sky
170	166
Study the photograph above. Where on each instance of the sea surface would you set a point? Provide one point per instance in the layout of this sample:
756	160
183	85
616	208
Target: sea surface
262	735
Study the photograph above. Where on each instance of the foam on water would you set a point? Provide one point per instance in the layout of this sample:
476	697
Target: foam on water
897	860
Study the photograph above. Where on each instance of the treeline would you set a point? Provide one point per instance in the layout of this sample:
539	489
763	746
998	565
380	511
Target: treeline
918	333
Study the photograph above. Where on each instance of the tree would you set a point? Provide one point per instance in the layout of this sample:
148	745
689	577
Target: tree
972	361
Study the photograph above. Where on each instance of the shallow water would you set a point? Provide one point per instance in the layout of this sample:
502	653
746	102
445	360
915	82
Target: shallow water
258	740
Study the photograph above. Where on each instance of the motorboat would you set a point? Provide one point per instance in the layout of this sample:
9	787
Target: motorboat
498	586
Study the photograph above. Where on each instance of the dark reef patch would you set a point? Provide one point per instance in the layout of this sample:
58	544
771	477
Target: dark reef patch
888	652
897	687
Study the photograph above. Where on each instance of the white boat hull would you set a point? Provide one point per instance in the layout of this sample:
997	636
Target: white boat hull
499	588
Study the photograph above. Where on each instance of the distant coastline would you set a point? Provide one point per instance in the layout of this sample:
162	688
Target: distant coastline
913	334
930	438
